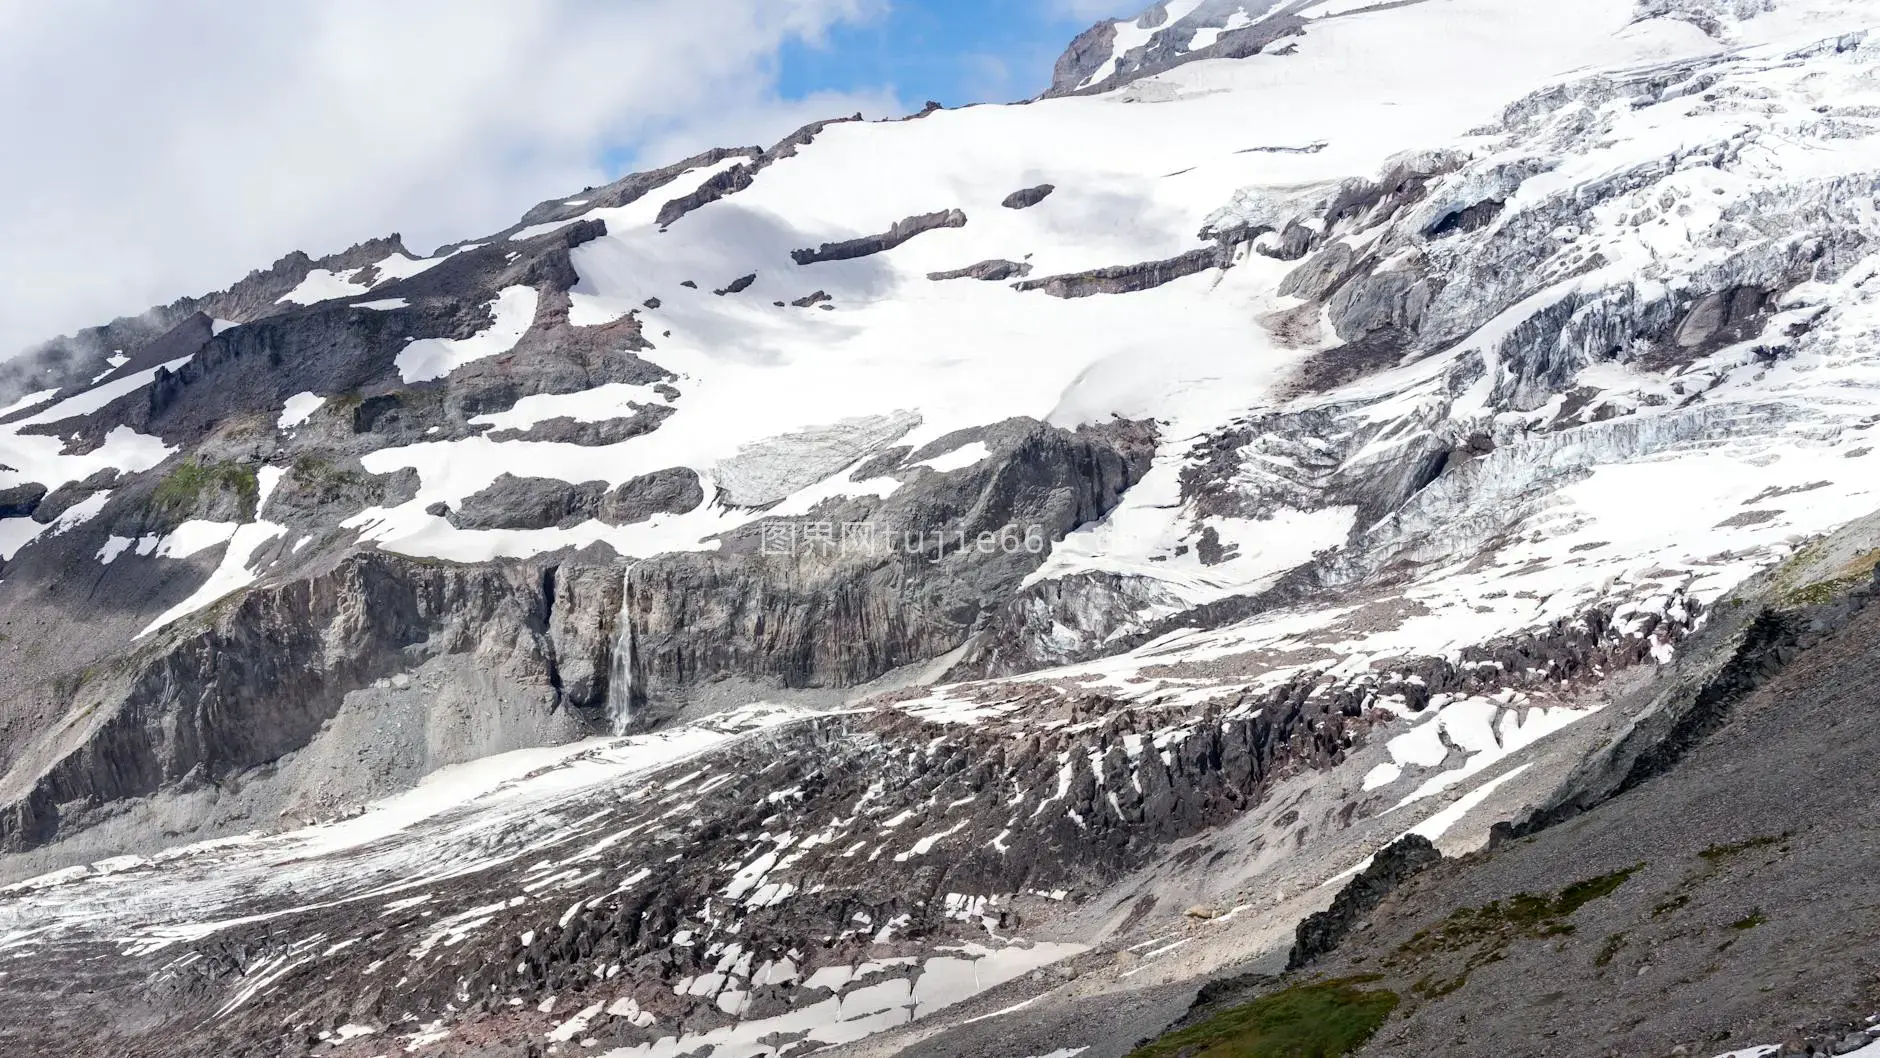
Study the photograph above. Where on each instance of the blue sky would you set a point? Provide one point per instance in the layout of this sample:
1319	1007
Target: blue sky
887	61
953	51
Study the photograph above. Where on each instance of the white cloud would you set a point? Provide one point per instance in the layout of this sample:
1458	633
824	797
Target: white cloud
156	150
1096	10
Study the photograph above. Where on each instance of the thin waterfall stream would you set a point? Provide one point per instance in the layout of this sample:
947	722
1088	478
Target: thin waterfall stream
620	666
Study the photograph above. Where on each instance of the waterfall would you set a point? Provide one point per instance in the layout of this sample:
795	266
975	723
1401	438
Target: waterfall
620	668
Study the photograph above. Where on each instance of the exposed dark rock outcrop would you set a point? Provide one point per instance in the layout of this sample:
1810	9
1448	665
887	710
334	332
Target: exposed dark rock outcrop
1722	317
738	285
511	502
901	231
996	269
672	491
812	298
256	676
564	430
77	359
20	501
1026	197
188	336
740	176
829	610
1321	931
71	494
1124	279
728	182
1169	45
319	482
1468	218
629	188
1087	51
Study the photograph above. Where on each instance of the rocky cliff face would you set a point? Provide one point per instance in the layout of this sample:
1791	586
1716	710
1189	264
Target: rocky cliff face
805	644
1114	53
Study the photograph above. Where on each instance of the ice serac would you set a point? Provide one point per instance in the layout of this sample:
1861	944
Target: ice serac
529	645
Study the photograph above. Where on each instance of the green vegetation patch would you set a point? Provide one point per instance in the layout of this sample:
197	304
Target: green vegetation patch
1750	921
1671	905
1320	1020
1581	893
1610	949
182	489
1483	934
1850	576
323	481
1720	852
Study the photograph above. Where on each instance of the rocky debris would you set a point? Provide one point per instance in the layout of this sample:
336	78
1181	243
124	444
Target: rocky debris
1321	931
812	298
1400	266
682	856
1209	549
20	501
1125	279
1308	148
1344	364
1723	317
1739	653
1721	869
996	269
901	231
850	776
242	376
1077	619
256	676
1027	197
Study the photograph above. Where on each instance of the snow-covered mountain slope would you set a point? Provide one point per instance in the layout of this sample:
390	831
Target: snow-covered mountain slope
1243	456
